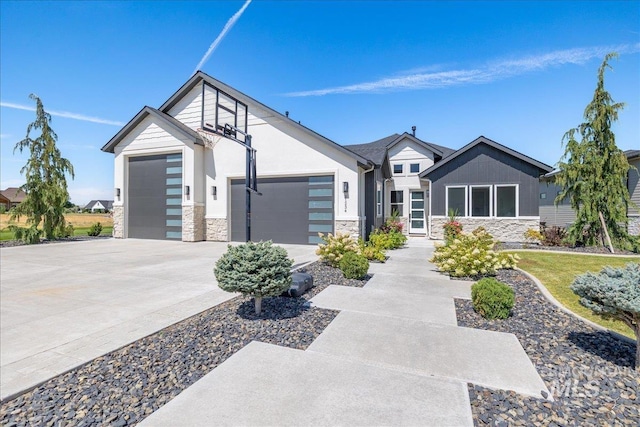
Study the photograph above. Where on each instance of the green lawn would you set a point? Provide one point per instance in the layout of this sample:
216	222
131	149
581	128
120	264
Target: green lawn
79	231
558	270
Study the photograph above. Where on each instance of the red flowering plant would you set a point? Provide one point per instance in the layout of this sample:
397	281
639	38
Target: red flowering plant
452	228
392	224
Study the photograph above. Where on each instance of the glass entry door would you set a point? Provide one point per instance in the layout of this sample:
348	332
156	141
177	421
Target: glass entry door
417	223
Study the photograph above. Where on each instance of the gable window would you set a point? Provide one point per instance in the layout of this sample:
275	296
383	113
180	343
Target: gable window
480	201
397	202
457	200
414	167
397	169
379	199
506	197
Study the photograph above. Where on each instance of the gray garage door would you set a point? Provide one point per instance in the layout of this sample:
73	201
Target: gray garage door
290	210
155	197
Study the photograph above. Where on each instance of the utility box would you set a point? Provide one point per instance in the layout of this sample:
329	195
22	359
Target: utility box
300	283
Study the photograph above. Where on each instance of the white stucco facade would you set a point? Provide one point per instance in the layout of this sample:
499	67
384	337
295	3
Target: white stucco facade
407	154
284	149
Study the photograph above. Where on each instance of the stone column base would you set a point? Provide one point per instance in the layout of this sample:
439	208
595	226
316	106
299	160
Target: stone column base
634	225
351	227
193	229
217	229
118	221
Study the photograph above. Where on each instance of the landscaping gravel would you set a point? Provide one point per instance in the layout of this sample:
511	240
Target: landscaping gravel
588	372
126	385
12	243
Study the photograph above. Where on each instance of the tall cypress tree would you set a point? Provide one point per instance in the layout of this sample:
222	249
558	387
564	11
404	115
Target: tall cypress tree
593	170
45	173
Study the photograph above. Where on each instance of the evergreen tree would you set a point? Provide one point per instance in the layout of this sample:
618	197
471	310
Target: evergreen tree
46	183
593	170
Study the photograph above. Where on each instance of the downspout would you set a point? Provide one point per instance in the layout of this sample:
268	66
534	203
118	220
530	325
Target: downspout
363	217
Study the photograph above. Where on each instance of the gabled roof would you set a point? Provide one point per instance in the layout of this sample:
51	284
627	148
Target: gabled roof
377	150
482	140
108	204
150	111
200	76
632	154
14	194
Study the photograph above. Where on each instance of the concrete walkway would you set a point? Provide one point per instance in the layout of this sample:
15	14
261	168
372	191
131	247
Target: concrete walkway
64	304
393	356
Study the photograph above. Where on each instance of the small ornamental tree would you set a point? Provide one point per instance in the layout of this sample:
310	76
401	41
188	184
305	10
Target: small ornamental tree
613	293
46	181
256	269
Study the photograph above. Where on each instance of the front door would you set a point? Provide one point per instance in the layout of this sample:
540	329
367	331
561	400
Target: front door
416	217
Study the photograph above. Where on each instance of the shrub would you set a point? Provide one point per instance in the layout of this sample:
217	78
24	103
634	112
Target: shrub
67	231
95	229
371	251
255	269
392	224
453	227
533	236
3	208
354	266
613	293
492	299
334	247
472	255
390	240
30	235
554	236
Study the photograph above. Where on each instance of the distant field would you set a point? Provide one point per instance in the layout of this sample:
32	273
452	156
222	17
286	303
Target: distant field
81	223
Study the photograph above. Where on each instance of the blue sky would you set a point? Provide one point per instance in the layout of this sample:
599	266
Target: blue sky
519	72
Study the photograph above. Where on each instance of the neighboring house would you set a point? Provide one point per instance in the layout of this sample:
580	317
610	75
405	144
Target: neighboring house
169	183
12	197
99	205
404	193
488	185
563	215
169	186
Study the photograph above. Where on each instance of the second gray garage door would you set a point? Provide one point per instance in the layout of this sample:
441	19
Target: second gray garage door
290	210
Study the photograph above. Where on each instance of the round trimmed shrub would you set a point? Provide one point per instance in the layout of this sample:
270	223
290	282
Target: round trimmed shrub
353	265
255	269
492	299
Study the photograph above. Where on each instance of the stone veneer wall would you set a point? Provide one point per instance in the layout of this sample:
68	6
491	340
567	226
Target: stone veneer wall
217	229
351	227
193	227
405	224
502	229
118	222
634	225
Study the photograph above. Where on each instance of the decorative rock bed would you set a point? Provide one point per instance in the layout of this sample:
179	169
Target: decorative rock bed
589	372
13	243
126	385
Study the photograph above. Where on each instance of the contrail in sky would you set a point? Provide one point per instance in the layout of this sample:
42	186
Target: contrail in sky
223	33
65	114
489	72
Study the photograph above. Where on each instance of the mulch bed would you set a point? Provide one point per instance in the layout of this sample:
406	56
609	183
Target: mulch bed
589	372
126	385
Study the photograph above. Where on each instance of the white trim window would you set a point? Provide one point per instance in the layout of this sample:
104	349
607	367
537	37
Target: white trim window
506	201
397	202
480	201
398	168
456	200
414	168
378	199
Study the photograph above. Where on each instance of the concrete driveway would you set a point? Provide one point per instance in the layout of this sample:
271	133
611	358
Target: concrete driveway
64	304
